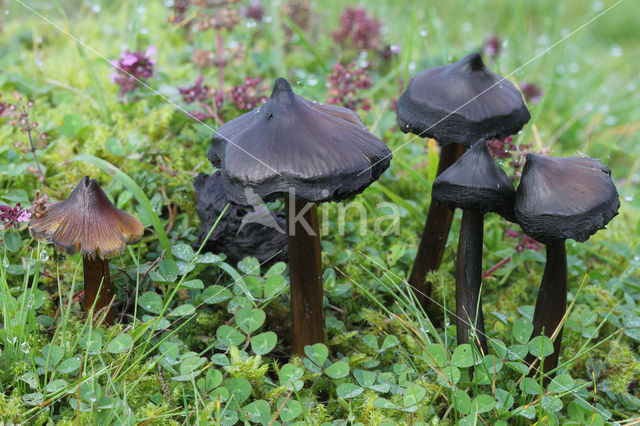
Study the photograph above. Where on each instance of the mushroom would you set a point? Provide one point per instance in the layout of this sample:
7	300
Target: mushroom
89	223
240	232
455	104
560	198
477	185
308	153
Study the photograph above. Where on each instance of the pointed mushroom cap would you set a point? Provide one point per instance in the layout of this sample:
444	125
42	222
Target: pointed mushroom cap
560	198
461	103
475	182
88	222
322	152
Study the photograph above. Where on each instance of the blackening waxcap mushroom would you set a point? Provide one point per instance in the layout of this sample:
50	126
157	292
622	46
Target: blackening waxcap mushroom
242	231
88	222
461	103
560	198
322	152
475	182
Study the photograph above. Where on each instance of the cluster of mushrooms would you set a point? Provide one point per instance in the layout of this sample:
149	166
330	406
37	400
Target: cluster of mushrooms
308	153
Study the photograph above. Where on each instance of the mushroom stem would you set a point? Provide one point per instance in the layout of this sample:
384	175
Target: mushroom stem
96	272
305	270
468	279
551	303
434	236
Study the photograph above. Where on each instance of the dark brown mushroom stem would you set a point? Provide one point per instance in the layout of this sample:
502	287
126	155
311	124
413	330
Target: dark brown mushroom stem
469	320
97	286
305	270
551	303
434	236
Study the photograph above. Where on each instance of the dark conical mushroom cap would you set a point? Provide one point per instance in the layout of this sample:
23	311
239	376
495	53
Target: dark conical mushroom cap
87	221
560	198
461	103
475	182
322	152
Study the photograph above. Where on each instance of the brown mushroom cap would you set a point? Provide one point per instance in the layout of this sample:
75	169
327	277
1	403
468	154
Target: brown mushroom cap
88	222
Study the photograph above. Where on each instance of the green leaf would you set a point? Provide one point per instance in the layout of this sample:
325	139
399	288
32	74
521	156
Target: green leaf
462	356
389	342
561	384
53	353
141	197
290	377
291	410
516	352
183	311
452	375
115	147
482	404
68	366
239	389
364	378
384	403
216	294
462	402
169	269
92	343
413	395
505	400
435	355
522	330
337	370
72	124
229	336
12	240
249	319
121	343
273	286
317	353
540	346
258	411
193	284
182	252
150	301
56	386
191	364
348	390
263	343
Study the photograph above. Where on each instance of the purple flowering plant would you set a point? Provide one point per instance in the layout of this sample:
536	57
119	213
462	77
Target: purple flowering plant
133	68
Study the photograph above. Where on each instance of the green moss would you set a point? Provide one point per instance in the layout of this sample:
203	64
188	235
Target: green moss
252	369
624	367
11	409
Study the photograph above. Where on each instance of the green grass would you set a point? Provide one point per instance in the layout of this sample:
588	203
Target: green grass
205	342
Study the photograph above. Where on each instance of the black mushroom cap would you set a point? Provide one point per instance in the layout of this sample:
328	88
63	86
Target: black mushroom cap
476	182
461	103
560	198
322	152
241	232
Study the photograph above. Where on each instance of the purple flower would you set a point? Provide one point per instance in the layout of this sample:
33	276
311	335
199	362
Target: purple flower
255	11
12	216
358	29
132	68
344	83
198	92
248	95
492	46
532	93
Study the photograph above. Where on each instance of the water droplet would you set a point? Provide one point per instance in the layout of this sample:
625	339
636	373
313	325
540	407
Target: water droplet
268	19
24	347
5	261
96	8
597	6
141	10
312	81
610	120
251	24
466	27
616	51
44	256
560	69
423	33
628	198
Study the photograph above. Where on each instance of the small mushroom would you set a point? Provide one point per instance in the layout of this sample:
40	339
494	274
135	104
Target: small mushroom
241	232
560	198
477	185
308	153
455	104
89	223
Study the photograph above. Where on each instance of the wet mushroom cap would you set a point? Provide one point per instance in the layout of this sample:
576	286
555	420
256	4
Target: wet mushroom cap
87	222
560	198
322	152
476	182
461	103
